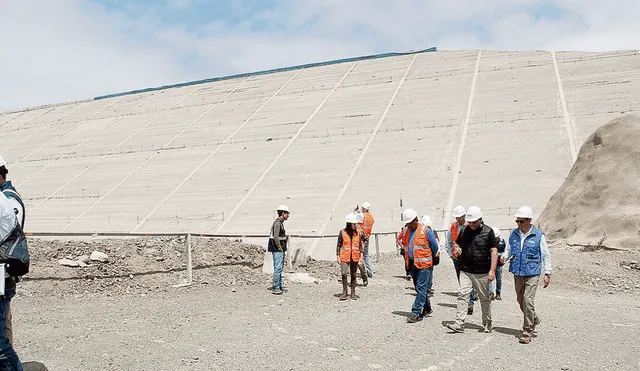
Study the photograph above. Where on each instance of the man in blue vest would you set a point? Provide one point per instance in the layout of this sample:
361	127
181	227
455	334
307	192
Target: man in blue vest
528	254
18	207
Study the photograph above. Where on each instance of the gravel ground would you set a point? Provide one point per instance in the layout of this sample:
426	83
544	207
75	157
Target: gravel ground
229	320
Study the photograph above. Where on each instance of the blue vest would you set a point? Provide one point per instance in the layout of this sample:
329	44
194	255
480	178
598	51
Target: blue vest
9	191
528	261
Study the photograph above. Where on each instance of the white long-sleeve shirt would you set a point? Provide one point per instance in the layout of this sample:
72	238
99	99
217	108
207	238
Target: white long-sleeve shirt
8	218
544	250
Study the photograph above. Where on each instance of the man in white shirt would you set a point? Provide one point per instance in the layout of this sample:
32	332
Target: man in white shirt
528	254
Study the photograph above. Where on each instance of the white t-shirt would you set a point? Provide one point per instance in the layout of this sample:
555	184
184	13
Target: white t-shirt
8	218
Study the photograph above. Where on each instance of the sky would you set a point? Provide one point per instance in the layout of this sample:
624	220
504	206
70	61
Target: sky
67	50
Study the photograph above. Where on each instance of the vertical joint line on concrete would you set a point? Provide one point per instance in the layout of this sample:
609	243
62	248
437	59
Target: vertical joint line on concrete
463	140
297	134
354	169
213	153
152	156
565	110
100	158
89	138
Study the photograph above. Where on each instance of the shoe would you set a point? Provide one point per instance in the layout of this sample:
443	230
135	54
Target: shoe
370	275
413	319
426	312
456	328
431	292
536	323
488	327
498	296
365	282
344	296
284	289
408	277
470	310
354	297
525	339
492	297
277	292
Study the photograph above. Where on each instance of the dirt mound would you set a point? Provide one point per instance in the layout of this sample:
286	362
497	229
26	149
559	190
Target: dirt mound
599	201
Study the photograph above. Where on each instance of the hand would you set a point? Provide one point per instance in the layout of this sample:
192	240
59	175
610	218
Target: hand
338	259
492	275
547	281
502	259
280	250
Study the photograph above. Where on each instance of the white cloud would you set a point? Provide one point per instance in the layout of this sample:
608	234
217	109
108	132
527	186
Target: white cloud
74	50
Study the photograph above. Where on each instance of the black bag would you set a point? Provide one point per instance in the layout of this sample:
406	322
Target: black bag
436	260
14	252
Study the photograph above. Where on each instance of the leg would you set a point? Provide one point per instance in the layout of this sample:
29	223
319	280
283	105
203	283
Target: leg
278	263
456	265
363	273
8	358
412	272
530	317
353	268
481	285
431	283
367	260
344	271
463	298
499	282
519	284
9	324
422	287
427	304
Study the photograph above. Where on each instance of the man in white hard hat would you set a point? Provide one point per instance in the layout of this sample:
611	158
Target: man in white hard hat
367	225
528	254
8	358
278	246
365	242
15	199
478	261
453	250
426	220
348	251
495	288
420	248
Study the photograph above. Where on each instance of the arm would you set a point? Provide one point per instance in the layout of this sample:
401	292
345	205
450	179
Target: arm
448	242
494	256
433	243
363	241
546	260
339	246
506	255
276	236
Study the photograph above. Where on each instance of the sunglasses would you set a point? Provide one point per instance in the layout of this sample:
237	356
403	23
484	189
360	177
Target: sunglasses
520	221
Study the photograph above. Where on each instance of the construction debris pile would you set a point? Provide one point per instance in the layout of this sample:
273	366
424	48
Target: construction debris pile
599	202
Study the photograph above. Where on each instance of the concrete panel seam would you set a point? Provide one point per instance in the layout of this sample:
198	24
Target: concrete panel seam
354	169
297	134
35	118
213	153
46	126
13	118
463	140
565	110
86	140
113	149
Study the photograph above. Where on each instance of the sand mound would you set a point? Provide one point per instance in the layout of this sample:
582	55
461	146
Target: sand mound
599	202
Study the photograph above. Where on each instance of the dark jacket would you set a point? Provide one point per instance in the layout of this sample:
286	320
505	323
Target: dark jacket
278	236
476	249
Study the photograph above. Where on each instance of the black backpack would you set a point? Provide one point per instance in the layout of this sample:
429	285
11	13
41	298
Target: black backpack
14	252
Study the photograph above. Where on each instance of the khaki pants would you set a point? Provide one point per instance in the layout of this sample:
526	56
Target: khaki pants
526	288
468	282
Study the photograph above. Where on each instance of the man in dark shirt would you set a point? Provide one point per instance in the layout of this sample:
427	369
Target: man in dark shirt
478	262
277	247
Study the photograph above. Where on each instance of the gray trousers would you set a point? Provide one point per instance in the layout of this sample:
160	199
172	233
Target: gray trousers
468	282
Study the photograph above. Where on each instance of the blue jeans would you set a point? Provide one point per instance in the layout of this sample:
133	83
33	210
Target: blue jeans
9	360
367	260
498	280
472	297
278	264
423	280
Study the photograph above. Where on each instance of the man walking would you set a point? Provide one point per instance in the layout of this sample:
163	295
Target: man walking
454	251
479	257
18	207
528	254
278	246
420	247
367	225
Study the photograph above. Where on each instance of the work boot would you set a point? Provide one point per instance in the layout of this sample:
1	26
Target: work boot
426	312
488	327
370	275
470	310
365	281
498	296
431	292
353	290
536	322
354	296
525	339
456	328
492	297
413	319
344	296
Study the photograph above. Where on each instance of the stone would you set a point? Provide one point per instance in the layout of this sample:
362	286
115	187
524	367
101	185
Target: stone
82	264
68	263
99	256
84	258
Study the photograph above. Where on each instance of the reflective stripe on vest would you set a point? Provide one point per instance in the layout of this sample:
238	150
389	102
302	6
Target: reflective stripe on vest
422	258
350	249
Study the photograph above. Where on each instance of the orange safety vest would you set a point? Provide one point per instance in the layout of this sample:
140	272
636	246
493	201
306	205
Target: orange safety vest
350	250
368	224
422	258
454	236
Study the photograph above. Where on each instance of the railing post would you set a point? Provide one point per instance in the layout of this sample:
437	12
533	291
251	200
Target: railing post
395	241
377	249
189	263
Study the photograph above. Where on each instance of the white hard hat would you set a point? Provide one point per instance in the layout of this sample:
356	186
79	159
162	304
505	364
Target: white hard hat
366	205
3	162
360	217
458	211
496	231
473	213
524	212
409	215
351	218
283	208
426	220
